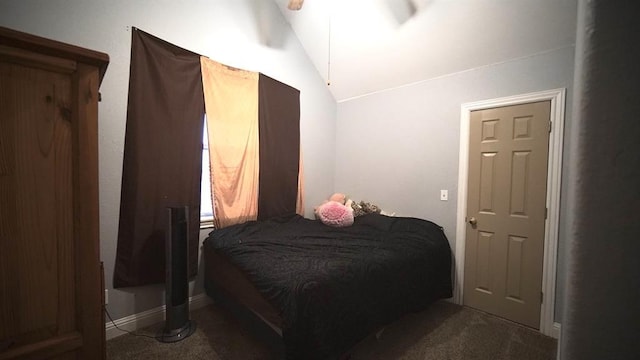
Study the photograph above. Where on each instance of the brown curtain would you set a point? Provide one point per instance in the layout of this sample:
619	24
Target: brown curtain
231	98
162	157
279	119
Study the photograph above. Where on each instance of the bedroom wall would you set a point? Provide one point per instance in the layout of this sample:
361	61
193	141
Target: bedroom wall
398	148
249	34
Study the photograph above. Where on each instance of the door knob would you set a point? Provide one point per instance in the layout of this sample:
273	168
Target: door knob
473	221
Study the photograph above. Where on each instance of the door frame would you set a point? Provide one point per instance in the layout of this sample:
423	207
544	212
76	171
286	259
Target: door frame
554	177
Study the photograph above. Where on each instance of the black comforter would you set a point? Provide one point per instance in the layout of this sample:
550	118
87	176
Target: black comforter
334	286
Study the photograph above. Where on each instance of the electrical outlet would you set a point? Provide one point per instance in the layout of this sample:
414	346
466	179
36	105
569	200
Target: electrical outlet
106	296
444	195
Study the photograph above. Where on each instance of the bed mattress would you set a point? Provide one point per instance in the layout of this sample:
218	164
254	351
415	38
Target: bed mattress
326	288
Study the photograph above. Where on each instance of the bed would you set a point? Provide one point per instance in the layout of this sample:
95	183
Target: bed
322	289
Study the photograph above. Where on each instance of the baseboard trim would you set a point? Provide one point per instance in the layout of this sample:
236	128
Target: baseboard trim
149	317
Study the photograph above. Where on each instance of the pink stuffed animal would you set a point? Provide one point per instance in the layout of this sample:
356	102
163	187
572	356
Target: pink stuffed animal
334	212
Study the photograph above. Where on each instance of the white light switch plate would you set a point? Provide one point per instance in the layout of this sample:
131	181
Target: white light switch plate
444	195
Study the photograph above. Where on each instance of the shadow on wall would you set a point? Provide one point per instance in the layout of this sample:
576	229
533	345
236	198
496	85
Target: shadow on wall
149	296
269	33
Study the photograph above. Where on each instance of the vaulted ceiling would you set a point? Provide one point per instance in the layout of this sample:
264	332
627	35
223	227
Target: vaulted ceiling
365	46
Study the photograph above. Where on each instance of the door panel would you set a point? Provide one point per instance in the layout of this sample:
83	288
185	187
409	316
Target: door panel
37	201
483	262
487	171
508	151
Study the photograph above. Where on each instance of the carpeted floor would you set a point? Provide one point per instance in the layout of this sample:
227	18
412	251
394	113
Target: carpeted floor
444	331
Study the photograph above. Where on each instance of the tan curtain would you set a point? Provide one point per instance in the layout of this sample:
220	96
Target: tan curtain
300	199
231	104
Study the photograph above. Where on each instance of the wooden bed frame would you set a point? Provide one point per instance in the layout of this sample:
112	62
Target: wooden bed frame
225	282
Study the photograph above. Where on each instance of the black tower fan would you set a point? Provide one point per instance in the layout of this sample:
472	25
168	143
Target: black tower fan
177	324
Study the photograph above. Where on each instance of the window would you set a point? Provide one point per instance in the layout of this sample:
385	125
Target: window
206	206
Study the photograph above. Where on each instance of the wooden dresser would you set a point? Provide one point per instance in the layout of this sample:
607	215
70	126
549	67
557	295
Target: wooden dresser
51	290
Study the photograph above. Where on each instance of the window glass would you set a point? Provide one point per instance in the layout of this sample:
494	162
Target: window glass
206	207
